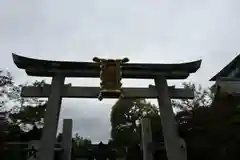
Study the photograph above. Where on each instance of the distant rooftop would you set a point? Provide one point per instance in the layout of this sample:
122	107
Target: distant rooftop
232	70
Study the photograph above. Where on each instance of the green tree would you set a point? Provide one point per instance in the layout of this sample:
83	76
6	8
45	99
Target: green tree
81	141
205	122
190	112
80	145
125	120
209	124
10	94
14	95
26	111
29	115
6	80
202	98
23	114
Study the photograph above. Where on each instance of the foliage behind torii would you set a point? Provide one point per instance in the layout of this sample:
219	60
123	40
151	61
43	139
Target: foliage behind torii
23	114
211	130
125	120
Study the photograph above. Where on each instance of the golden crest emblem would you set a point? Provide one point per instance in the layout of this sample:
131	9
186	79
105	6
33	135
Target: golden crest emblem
111	76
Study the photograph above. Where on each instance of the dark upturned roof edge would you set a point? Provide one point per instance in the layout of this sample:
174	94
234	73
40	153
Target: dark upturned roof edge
25	62
227	69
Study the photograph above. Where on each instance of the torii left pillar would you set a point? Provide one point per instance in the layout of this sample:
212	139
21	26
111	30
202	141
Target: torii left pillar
48	139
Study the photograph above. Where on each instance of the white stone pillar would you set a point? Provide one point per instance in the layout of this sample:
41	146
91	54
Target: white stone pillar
146	138
67	139
51	117
170	131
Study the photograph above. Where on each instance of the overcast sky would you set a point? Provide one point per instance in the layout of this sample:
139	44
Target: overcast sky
160	31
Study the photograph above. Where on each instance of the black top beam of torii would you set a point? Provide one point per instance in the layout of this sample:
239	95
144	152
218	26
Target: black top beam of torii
46	68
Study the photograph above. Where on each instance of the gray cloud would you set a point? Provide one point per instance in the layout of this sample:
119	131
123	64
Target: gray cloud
90	118
144	30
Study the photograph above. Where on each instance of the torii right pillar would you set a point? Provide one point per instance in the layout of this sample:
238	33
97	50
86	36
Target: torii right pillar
170	132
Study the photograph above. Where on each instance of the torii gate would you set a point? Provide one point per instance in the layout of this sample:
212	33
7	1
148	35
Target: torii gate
110	88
